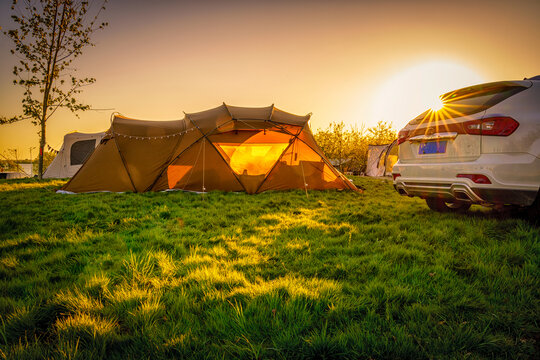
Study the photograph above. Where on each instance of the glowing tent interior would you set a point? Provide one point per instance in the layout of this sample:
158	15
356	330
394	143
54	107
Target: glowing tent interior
227	148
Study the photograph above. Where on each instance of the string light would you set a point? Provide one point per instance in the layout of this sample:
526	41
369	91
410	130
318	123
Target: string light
154	137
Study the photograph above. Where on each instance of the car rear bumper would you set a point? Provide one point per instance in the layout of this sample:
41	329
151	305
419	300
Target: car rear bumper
515	179
464	192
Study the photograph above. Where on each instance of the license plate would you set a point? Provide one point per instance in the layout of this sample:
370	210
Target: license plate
432	147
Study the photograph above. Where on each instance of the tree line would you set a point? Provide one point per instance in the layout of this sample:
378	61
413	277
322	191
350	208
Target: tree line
347	147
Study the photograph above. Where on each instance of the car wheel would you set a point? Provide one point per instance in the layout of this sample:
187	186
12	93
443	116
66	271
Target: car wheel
441	205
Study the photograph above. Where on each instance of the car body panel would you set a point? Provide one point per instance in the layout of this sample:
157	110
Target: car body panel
526	138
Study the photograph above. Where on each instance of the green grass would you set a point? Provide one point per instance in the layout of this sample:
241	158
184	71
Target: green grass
275	276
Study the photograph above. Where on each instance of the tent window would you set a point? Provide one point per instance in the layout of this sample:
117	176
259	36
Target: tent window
80	150
254	155
252	159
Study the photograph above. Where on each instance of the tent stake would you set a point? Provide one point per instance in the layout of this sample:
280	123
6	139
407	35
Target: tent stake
304	177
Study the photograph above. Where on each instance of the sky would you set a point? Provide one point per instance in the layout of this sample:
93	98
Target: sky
353	61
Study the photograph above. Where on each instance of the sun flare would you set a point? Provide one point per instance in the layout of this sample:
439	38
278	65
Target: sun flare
436	104
416	89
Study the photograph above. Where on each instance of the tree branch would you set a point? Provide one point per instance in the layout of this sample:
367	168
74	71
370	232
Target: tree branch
4	120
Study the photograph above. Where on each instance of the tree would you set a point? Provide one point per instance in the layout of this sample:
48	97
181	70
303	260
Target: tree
358	147
349	147
346	148
381	134
333	142
48	158
50	34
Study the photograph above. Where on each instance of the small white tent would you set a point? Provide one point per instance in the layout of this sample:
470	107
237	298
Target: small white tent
75	150
381	159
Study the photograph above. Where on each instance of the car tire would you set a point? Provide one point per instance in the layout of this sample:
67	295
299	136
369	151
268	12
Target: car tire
441	205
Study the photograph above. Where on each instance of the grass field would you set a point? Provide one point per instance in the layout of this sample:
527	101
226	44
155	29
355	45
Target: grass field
277	276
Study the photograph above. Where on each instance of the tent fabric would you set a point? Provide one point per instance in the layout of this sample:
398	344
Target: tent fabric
75	149
226	148
381	159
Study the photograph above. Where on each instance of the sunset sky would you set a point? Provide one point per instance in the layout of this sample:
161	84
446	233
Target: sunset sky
352	61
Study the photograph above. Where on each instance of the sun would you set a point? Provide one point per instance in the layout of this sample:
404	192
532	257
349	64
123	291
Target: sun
408	93
436	104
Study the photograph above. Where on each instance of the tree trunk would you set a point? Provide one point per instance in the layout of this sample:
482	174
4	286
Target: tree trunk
41	149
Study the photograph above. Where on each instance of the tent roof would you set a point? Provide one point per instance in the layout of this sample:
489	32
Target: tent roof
207	121
123	125
267	113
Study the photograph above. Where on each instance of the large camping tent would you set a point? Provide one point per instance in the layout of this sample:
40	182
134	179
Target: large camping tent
74	151
226	148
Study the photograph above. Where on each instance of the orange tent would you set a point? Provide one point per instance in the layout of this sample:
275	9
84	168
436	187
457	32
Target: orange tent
226	148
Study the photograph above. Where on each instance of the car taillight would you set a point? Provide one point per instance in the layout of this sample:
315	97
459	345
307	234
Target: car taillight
493	126
476	178
402	136
396	175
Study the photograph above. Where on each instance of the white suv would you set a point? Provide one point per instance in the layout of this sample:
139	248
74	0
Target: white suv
481	147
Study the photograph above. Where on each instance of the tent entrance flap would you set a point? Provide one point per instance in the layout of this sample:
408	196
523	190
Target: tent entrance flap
201	169
251	155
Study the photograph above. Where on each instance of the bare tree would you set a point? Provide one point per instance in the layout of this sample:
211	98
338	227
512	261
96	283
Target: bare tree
49	35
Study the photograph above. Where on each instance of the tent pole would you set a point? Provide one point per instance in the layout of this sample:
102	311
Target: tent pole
337	173
203	136
291	141
226	163
191	171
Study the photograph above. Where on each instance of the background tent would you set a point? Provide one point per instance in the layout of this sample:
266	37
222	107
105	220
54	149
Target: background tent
74	151
381	159
226	148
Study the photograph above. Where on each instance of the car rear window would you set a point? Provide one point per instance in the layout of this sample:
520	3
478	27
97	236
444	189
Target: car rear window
470	100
